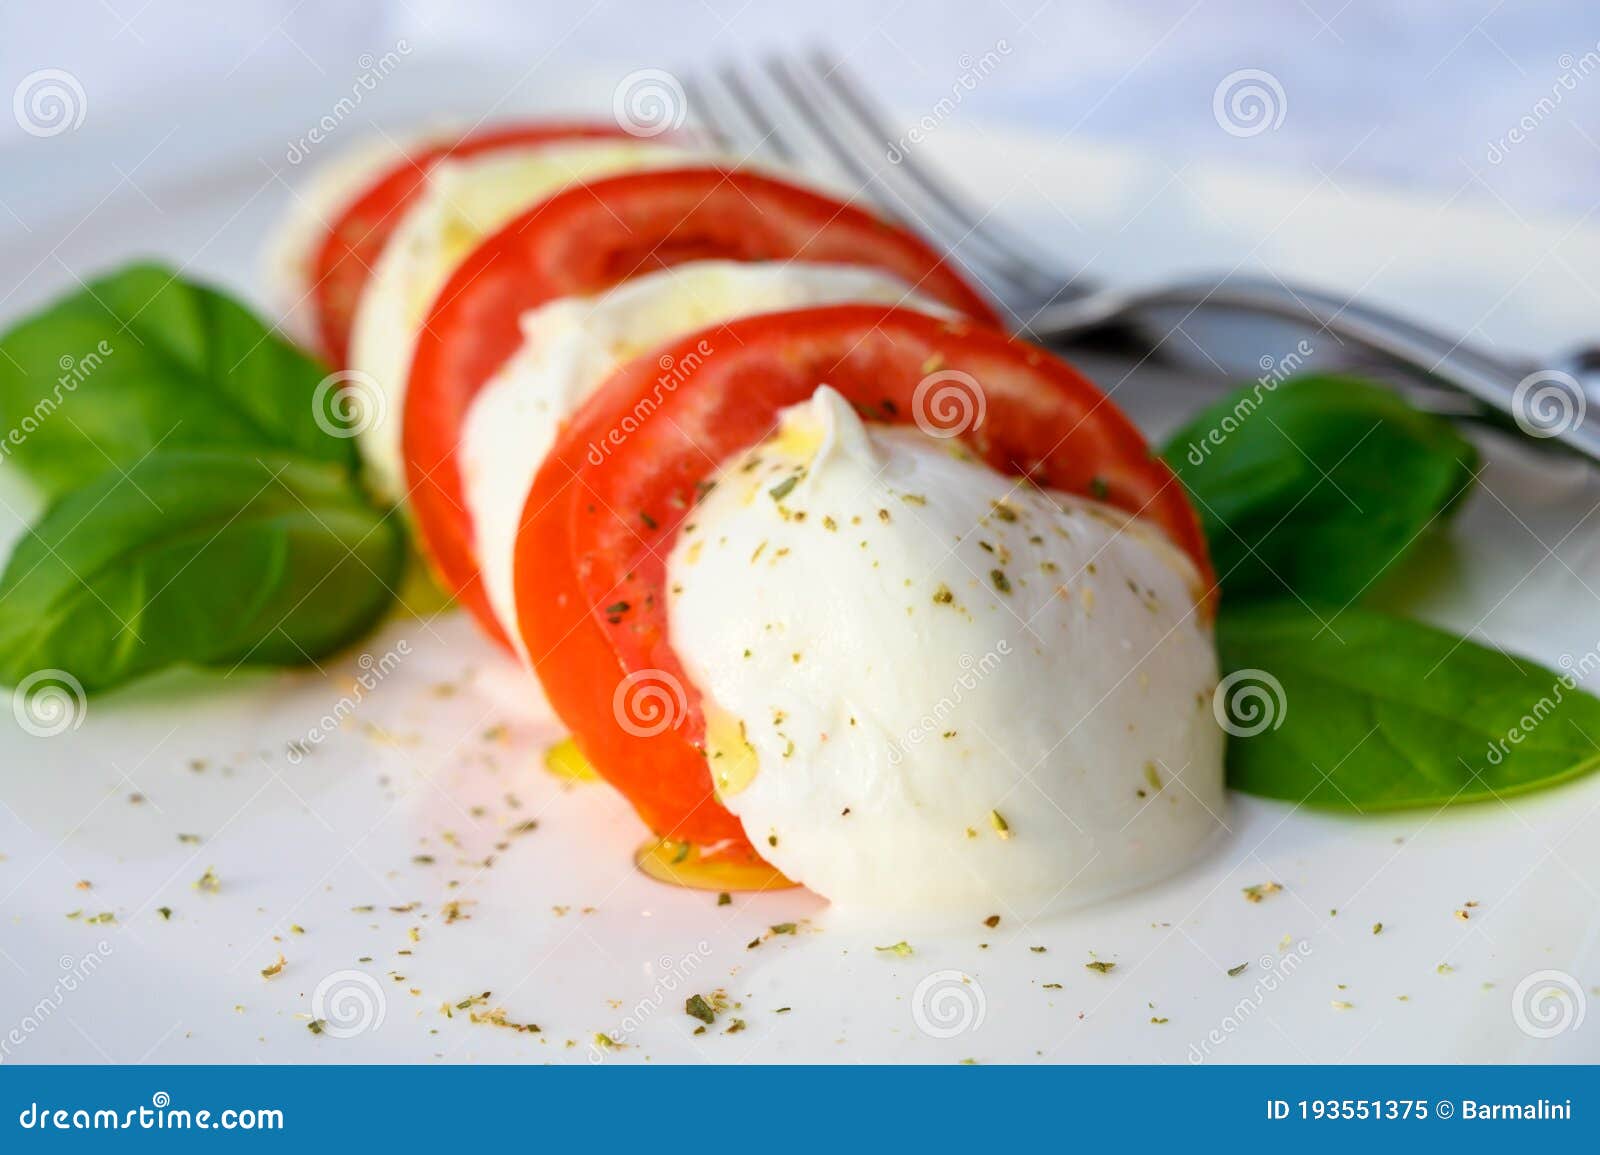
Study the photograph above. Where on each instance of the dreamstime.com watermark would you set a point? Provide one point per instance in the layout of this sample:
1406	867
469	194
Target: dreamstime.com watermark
1548	1003
948	403
649	102
948	1003
373	71
49	102
373	672
937	720
160	1115
649	702
1274	972
974	71
74	372
674	372
49	702
670	986
348	1003
1548	403
1574	70
1274	372
348	403
1249	102
1249	702
1575	671
77	971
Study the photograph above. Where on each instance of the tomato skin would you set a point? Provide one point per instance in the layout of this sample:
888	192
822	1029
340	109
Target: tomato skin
344	259
612	495
587	239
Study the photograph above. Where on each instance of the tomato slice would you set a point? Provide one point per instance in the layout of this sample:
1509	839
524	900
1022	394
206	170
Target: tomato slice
589	238
346	255
598	525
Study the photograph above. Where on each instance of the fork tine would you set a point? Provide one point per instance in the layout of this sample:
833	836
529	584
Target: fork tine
790	111
773	136
811	94
807	102
733	128
862	179
1007	254
705	114
729	117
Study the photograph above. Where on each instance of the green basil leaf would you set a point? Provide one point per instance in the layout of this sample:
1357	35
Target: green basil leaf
206	558
1373	712
1318	485
142	358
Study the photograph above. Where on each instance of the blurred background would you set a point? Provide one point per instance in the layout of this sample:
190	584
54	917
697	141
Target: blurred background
1436	157
1423	93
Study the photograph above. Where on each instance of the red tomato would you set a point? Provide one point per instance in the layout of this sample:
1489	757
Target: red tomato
587	239
345	257
607	505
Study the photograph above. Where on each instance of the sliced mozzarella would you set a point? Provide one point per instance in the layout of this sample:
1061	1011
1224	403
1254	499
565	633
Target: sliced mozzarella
570	347
293	245
465	201
931	686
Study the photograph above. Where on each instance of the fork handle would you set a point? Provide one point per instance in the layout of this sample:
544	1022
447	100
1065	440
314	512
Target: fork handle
1412	346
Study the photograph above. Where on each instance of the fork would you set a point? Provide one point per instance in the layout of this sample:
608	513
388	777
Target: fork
807	109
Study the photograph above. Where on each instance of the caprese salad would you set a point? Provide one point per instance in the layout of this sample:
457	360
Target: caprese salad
837	582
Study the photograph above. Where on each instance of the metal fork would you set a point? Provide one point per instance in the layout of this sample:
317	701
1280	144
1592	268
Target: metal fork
802	110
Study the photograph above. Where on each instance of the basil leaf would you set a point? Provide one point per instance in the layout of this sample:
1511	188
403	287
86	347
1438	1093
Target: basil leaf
1379	713
1318	485
141	359
213	559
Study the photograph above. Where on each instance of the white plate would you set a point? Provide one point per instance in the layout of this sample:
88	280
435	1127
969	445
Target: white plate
561	929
